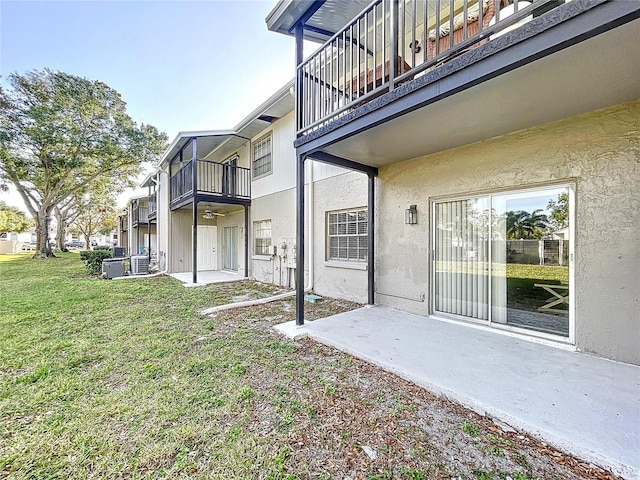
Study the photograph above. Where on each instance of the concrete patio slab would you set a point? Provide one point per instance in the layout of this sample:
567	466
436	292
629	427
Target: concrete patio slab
291	330
206	277
582	404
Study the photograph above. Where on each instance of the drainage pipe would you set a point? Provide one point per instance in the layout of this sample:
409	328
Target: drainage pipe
282	296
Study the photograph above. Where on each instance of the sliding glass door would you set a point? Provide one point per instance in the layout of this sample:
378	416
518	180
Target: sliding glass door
504	259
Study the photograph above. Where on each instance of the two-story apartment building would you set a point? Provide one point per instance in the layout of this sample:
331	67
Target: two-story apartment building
241	217
137	226
478	125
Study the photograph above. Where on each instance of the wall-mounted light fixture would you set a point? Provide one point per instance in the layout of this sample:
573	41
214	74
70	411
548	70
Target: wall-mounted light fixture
411	215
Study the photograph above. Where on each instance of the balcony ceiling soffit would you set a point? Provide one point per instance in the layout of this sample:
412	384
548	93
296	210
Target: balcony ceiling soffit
332	16
585	77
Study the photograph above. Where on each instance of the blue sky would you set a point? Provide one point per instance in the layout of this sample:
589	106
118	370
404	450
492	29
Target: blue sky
179	65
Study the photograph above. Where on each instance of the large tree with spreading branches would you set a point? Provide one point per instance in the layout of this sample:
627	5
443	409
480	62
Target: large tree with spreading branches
59	134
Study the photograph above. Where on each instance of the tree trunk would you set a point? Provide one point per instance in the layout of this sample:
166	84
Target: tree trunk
87	242
43	220
61	232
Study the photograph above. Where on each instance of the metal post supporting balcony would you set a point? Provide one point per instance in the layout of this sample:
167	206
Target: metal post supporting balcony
300	239
370	239
246	241
149	227
194	232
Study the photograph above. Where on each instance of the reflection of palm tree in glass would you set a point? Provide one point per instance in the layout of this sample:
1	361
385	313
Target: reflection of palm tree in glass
526	225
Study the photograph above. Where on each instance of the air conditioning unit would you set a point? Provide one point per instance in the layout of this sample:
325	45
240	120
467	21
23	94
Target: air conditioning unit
112	268
139	264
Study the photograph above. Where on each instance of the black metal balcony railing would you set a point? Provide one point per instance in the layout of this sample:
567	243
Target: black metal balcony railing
124	223
213	178
391	42
140	215
153	205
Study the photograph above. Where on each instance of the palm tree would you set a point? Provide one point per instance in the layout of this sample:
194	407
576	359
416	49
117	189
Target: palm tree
525	225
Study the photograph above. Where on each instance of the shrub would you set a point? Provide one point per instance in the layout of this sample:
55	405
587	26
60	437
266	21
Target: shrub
102	247
93	260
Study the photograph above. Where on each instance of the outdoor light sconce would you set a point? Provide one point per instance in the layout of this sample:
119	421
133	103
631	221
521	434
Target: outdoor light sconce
411	215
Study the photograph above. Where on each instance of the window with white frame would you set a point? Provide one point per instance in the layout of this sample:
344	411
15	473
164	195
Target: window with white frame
347	235
262	237
262	156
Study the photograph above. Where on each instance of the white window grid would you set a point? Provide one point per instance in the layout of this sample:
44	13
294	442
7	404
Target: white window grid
347	235
262	237
262	157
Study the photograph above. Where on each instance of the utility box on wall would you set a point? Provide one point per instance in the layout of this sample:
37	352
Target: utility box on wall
287	250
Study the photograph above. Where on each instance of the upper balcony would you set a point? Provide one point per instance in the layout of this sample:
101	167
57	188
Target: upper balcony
442	73
216	182
218	179
140	214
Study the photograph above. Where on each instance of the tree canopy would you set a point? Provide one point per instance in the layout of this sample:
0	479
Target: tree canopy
559	211
59	133
13	219
96	214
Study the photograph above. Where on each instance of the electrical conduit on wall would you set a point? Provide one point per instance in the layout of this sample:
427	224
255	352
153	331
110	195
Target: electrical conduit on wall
282	296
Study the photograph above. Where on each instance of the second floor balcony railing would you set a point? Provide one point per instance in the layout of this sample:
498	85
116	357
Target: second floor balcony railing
391	42
213	178
124	223
140	215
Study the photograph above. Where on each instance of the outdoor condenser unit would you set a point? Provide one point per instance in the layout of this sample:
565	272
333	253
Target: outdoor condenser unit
112	268
139	264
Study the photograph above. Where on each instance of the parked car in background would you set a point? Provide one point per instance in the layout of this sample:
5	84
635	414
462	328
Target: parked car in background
74	244
29	246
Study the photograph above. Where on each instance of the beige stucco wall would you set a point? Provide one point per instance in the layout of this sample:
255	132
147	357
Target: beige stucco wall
598	152
338	279
280	208
336	193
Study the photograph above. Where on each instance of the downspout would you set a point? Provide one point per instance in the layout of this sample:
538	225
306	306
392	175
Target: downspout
310	240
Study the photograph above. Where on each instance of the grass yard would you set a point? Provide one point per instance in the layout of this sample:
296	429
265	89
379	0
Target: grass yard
521	292
125	379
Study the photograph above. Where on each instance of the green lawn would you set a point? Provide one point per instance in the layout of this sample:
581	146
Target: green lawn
125	379
521	292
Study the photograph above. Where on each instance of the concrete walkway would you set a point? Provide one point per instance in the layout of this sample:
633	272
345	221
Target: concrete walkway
206	277
582	404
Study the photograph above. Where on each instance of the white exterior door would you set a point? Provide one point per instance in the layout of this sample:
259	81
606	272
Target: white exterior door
207	248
